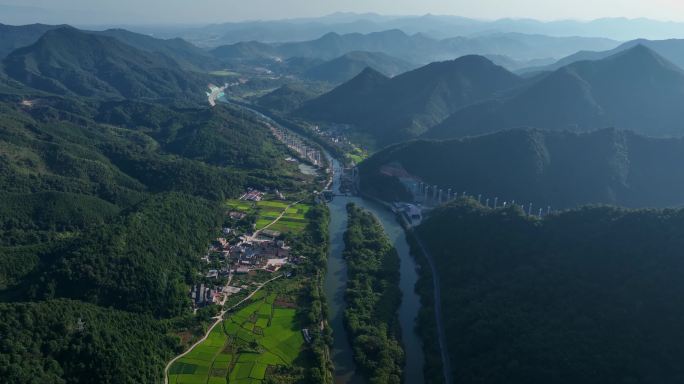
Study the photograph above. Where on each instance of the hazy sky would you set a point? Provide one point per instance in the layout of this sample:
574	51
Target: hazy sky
206	11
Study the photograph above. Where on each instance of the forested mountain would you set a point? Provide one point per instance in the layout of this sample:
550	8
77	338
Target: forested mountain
286	98
13	37
405	106
67	341
636	89
245	51
67	61
586	296
188	56
351	64
560	169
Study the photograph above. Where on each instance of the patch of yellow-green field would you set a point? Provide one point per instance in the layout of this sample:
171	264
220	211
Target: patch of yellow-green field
357	155
293	221
241	349
240	205
224	73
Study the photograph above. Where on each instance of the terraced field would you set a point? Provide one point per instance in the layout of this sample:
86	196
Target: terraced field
256	337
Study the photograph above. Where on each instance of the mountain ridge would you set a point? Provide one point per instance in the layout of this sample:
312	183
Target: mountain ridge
636	89
68	61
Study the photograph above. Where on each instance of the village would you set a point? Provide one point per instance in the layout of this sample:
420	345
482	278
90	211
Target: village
245	253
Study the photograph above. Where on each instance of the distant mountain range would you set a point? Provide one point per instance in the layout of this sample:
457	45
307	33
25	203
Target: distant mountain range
437	26
416	48
351	64
634	89
560	169
406	106
68	61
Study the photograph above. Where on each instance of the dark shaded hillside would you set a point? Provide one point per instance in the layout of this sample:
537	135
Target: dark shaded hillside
409	104
286	98
351	64
636	89
560	169
588	296
345	102
66	61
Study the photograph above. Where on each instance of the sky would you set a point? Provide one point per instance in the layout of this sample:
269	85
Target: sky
211	11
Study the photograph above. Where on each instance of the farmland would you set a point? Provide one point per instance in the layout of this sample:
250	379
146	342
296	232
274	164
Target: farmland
293	221
258	337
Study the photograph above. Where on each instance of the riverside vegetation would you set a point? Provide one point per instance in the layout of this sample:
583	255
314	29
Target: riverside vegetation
373	298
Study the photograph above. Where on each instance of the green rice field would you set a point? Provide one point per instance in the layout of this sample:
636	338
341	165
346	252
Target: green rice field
244	346
293	221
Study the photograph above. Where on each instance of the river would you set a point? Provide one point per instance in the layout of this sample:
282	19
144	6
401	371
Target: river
336	282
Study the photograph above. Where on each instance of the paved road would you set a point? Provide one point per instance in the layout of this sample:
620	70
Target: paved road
219	319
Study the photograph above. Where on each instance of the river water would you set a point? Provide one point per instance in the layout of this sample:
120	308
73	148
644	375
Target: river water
336	281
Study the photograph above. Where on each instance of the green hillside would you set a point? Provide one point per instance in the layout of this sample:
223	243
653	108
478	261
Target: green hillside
67	61
586	296
104	211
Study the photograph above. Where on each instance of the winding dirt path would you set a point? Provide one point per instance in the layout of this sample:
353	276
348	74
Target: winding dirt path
219	319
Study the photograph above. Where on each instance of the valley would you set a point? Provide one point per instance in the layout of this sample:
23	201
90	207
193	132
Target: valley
347	199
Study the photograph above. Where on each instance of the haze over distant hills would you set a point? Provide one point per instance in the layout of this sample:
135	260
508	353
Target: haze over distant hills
437	26
416	48
671	49
351	64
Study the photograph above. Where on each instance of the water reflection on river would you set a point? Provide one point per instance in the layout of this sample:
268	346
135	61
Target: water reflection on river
336	280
